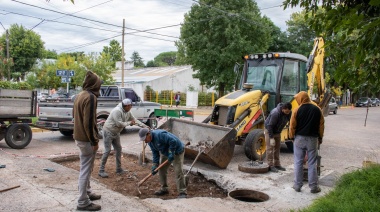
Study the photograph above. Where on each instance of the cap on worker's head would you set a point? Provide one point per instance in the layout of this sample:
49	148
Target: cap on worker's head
126	102
142	133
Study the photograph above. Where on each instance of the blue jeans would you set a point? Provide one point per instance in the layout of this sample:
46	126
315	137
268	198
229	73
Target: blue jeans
303	145
114	140
87	158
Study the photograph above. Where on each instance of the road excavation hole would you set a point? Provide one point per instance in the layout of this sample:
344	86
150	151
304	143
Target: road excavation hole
126	184
246	195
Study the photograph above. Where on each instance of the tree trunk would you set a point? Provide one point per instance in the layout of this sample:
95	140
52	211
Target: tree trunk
221	89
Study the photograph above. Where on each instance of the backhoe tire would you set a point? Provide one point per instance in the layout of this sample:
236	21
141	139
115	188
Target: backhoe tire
67	132
289	145
18	136
255	146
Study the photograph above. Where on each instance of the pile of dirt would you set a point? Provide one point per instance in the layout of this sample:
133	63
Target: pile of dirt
126	184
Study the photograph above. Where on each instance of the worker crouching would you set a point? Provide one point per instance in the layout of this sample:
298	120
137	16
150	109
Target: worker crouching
166	146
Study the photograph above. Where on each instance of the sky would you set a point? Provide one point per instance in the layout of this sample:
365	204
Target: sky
89	25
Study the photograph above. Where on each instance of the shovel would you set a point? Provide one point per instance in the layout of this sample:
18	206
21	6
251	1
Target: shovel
201	150
142	156
149	175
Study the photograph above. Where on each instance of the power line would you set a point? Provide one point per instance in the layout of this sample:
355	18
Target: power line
2	25
37	24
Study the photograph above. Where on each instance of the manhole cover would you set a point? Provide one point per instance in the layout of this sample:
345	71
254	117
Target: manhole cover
254	167
248	195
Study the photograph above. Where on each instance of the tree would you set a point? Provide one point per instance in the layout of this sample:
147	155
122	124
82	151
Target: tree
300	34
25	46
114	50
279	40
216	34
353	27
151	63
165	59
137	60
49	54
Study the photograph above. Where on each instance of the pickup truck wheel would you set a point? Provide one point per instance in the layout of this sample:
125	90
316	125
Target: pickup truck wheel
18	136
67	132
254	145
335	111
100	125
152	121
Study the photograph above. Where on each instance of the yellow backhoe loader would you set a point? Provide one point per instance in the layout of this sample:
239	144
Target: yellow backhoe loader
266	79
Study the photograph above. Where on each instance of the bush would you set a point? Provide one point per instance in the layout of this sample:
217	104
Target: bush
15	85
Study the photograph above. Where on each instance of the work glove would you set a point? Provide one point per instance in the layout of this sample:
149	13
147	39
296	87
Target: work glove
272	142
154	167
170	157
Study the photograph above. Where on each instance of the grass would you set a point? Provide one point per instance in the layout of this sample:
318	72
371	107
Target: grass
355	191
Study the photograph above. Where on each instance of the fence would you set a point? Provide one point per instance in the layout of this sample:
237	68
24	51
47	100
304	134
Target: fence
166	97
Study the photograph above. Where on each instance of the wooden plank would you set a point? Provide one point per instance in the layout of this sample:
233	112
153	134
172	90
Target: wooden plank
16	93
5	110
17	103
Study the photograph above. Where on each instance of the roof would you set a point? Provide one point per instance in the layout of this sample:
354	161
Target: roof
148	74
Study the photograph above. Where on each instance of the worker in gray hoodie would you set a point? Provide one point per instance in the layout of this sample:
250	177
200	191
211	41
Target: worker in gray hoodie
119	118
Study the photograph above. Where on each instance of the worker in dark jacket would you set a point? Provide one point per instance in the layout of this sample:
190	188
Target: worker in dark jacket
165	145
274	124
307	126
86	138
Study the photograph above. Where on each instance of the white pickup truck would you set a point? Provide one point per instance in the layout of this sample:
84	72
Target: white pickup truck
58	115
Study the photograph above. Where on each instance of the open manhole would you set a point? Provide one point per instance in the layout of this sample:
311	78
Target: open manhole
247	195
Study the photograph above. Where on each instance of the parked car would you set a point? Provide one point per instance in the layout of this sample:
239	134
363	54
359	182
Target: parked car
375	102
41	97
333	105
57	97
363	102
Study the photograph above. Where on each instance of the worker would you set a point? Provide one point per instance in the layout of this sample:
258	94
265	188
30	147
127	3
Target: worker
307	126
86	138
120	117
165	145
274	124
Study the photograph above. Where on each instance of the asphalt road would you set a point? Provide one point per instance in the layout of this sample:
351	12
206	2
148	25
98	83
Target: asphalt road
349	139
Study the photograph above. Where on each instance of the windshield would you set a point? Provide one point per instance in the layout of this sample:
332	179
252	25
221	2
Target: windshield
263	74
363	99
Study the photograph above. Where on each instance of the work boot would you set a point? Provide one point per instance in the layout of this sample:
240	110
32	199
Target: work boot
121	171
315	190
298	189
103	174
273	169
281	168
182	196
161	192
94	196
90	207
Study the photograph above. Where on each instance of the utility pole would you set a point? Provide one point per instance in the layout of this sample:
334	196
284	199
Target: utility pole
9	70
122	56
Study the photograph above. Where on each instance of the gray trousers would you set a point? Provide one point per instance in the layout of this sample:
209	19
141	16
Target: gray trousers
178	166
273	152
303	145
87	158
114	140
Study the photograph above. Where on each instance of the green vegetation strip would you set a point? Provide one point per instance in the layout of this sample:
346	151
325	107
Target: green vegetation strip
356	191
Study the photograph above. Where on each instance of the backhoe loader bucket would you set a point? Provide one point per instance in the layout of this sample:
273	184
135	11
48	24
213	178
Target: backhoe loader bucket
219	142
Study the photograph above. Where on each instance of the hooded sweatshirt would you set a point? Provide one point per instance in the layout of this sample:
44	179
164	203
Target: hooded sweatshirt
119	119
276	120
84	110
307	119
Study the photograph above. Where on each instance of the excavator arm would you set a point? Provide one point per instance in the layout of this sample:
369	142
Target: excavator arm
315	75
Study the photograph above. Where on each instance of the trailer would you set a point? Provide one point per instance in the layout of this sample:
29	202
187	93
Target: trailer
17	108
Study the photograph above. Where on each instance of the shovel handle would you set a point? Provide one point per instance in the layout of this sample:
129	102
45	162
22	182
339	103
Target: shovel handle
149	175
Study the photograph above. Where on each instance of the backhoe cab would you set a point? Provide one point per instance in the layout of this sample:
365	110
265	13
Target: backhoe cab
266	80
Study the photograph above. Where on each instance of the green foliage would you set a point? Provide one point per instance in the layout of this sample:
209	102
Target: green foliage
114	50
356	191
165	59
216	34
49	54
353	29
151	63
279	41
25	46
137	60
15	85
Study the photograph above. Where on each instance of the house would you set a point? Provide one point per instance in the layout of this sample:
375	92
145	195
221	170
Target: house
175	78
